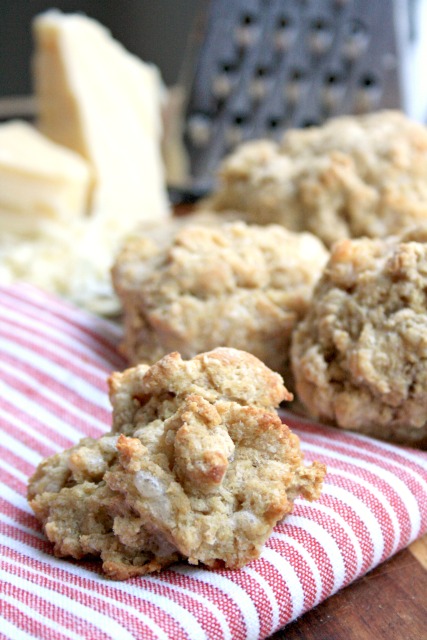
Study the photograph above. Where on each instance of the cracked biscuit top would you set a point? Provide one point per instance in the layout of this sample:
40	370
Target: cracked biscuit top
354	176
232	285
198	466
360	355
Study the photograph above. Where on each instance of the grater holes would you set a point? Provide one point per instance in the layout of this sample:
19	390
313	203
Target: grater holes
295	85
299	84
199	129
369	92
319	25
284	33
297	75
274	122
368	82
333	79
259	83
355	41
356	28
308	123
240	119
333	90
224	80
274	125
235	131
320	36
284	22
247	19
227	67
247	31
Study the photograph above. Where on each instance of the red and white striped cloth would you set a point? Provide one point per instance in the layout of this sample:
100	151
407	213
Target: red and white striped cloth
53	365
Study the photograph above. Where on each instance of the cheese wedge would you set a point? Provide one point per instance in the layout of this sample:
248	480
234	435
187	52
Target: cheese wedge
98	99
39	180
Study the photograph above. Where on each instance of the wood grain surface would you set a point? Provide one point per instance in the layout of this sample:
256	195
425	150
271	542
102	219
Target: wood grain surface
389	603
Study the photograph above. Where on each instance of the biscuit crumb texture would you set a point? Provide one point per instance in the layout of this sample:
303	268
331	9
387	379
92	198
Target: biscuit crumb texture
360	355
354	176
196	287
198	466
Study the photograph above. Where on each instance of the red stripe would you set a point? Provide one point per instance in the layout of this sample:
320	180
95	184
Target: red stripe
53	612
280	588
257	595
335	530
68	584
26	439
361	443
67	316
301	568
2	636
34	424
16	461
90	328
21	517
370	453
29	538
21	363
368	497
361	533
415	485
25	622
54	406
67	310
229	608
316	551
203	615
44	327
83	368
12	481
163	619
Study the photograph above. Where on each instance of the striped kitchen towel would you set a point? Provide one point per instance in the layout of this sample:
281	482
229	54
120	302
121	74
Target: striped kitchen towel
54	360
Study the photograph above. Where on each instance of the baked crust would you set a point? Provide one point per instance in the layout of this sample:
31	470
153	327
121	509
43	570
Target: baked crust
360	355
198	466
230	285
354	176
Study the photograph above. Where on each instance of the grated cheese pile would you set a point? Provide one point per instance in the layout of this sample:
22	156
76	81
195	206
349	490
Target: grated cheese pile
72	260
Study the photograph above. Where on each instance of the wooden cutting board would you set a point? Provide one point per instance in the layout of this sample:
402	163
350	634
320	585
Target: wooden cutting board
389	603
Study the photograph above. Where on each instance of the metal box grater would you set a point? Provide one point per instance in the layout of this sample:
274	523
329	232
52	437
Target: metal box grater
262	66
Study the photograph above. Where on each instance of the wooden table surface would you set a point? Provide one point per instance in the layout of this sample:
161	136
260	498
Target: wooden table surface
389	603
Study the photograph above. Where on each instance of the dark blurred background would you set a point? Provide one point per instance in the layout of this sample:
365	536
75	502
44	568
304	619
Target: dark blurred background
140	25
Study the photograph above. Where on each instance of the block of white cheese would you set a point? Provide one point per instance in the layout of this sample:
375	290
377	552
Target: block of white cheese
100	100
39	180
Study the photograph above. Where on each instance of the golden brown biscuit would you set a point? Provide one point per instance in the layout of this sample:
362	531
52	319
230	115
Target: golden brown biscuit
360	355
227	285
351	177
198	465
